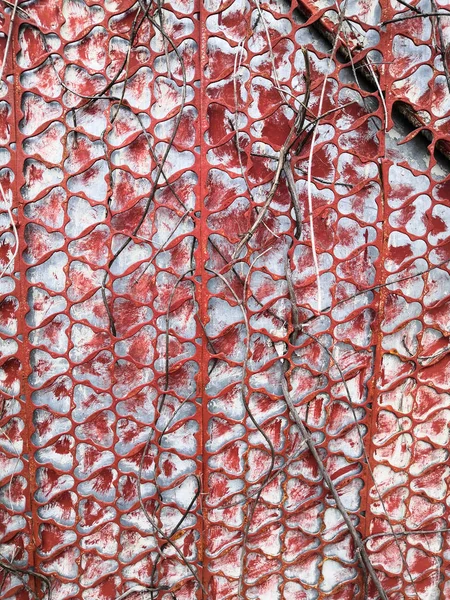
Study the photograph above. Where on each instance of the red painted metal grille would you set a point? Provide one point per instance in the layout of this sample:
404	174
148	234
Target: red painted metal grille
224	321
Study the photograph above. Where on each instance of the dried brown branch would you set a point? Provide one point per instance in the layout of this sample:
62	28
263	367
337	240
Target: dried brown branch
379	286
15	6
8	38
175	529
349	52
161	165
164	244
127	69
410	6
166	336
310	161
299	328
292	298
442	44
415	16
294	198
154	524
141	589
252	508
283	155
405	533
273	188
361	551
19	571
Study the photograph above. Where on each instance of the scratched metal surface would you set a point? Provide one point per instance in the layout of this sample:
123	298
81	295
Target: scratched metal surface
147	323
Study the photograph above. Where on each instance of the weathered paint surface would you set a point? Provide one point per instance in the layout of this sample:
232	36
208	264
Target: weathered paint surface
129	455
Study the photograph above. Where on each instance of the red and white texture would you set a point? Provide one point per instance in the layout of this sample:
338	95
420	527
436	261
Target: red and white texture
124	319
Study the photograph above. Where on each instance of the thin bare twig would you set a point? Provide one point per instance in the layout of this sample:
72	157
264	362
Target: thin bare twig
153	522
252	509
294	197
14	5
142	589
164	157
310	161
271	54
410	6
405	533
416	16
14	228
380	92
164	39
379	286
166	336
295	129
442	44
361	551
8	38
127	68
164	244
21	571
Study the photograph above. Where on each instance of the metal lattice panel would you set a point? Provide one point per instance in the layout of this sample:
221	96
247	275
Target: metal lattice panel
223	222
